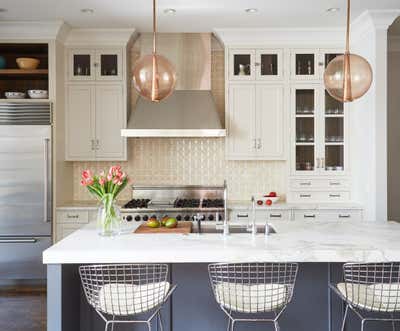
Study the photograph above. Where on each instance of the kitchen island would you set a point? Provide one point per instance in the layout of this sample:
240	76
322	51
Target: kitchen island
319	247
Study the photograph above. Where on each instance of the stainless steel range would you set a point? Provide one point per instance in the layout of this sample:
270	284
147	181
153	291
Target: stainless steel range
185	203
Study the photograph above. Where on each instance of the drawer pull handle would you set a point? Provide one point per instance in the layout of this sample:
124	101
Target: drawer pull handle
334	195
309	216
275	215
72	216
305	195
334	183
242	215
344	216
305	184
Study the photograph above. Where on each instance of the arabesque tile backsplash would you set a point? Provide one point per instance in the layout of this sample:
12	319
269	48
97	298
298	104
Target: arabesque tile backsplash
192	160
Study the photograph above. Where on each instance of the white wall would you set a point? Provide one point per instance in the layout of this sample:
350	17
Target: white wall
368	144
394	122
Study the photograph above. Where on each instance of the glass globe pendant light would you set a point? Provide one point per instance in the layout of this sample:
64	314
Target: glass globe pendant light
154	76
348	77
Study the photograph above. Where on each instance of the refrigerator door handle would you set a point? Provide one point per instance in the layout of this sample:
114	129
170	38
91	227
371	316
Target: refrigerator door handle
46	180
18	240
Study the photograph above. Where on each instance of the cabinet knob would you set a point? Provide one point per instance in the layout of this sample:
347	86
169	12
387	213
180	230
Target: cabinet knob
259	144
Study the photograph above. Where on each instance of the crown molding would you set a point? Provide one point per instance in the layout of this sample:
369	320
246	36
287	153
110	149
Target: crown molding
373	20
30	30
89	36
299	36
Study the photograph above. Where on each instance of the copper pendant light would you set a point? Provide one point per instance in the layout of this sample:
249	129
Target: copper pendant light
154	76
348	77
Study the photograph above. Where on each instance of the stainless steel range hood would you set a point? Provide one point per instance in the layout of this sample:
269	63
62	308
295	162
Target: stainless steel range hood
190	111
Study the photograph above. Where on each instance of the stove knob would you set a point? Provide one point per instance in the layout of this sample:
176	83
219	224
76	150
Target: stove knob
137	218
219	217
187	218
129	218
153	216
178	217
211	217
145	218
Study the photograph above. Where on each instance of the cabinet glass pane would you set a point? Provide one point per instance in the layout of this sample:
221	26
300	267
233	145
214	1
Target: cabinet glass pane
332	106
305	102
334	130
305	158
305	64
329	57
81	64
334	160
241	64
305	130
269	64
109	64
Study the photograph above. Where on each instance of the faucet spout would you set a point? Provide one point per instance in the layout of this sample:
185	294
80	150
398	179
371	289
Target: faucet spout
253	224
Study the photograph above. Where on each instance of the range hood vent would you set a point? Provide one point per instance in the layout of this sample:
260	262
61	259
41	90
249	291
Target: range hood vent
183	114
190	111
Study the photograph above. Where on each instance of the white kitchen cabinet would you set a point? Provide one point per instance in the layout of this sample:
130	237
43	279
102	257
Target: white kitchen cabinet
328	215
304	64
256	122
80	124
255	64
110	119
95	64
95	114
68	220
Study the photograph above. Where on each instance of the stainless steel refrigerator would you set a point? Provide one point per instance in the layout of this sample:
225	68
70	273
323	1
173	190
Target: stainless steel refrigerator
25	189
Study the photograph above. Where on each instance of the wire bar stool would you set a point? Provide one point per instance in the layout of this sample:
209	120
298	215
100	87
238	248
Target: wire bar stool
370	288
251	288
118	292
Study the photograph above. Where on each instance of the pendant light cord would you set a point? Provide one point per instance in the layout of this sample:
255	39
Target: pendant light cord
348	28
154	26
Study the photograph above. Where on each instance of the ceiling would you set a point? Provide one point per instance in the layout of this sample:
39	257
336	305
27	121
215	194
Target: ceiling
191	15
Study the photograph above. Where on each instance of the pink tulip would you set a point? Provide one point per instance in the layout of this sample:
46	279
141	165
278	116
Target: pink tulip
102	181
87	174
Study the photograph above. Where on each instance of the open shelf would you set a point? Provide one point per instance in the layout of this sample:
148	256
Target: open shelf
21	72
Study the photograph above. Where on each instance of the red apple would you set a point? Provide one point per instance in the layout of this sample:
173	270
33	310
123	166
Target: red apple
268	202
272	194
259	202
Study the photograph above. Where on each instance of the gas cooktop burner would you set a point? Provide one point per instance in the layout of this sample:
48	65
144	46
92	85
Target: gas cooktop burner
213	203
187	203
137	203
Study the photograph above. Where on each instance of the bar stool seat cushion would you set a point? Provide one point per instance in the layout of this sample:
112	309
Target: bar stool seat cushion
127	299
373	297
253	298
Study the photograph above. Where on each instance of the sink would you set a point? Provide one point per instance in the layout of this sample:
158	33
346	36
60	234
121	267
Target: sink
232	229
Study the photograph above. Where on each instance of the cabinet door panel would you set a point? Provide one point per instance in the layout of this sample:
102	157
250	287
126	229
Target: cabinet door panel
110	119
241	64
241	122
80	120
109	64
80	64
269	64
270	122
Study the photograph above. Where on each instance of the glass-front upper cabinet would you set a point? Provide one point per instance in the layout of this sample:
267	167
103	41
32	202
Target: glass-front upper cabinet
304	64
81	62
95	64
108	64
334	128
269	64
305	124
252	64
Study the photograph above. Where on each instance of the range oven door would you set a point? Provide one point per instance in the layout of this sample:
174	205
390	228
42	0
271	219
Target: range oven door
21	257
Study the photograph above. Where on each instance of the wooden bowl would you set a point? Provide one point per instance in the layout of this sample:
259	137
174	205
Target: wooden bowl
27	63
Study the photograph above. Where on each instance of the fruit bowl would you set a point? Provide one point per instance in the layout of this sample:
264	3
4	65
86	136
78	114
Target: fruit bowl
262	200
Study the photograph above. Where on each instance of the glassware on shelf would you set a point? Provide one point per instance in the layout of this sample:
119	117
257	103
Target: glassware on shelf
309	69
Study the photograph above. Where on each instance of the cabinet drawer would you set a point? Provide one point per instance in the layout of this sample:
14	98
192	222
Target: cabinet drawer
73	217
240	215
320	183
340	215
318	196
308	215
274	215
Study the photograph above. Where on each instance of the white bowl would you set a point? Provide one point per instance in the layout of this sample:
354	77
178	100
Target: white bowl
38	94
15	95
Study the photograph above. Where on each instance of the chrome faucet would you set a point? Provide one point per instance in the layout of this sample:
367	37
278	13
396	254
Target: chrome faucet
253	224
226	225
198	218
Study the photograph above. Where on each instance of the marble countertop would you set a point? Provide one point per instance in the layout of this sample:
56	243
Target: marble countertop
299	242
233	205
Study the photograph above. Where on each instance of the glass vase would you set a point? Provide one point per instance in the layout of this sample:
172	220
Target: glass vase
108	217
